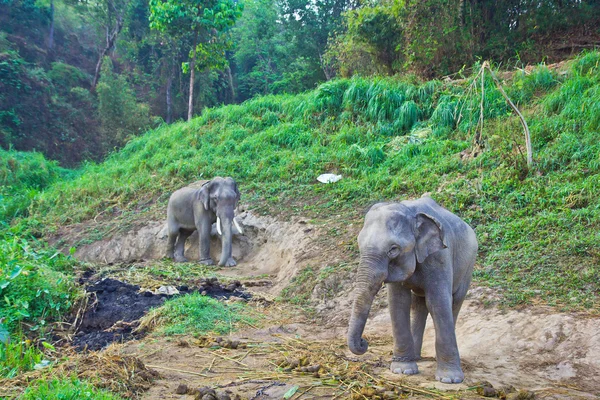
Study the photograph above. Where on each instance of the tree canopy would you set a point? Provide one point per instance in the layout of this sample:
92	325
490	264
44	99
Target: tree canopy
172	58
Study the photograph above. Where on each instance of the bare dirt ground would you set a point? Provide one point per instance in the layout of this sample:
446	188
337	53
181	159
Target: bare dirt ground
554	355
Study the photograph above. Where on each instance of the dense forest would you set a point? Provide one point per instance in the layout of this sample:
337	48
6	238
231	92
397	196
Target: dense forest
79	79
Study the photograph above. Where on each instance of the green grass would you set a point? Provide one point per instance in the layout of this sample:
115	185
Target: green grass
65	389
22	176
18	356
391	140
36	284
195	314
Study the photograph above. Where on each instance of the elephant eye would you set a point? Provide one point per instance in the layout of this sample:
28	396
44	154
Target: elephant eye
394	251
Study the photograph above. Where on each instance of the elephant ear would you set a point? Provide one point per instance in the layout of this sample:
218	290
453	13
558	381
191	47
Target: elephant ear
204	194
429	236
237	191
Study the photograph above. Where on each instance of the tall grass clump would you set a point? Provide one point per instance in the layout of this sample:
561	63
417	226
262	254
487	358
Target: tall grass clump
18	356
535	83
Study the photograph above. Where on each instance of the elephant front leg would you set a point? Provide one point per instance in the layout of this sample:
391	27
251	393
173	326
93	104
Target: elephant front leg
419	319
399	300
203	225
446	349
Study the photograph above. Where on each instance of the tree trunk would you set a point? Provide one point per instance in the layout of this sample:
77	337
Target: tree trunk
111	38
169	100
231	83
192	76
51	34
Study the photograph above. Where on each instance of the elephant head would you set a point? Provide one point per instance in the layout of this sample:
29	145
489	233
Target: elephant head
221	197
393	241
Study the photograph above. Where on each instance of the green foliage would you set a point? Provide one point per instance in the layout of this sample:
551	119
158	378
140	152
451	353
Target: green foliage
35	283
22	176
439	37
196	314
370	43
208	19
65	389
67	76
18	356
537	82
122	117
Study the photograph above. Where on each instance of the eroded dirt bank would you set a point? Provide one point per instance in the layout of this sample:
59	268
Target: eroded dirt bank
557	355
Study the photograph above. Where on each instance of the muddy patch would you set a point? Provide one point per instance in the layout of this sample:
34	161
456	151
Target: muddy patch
116	308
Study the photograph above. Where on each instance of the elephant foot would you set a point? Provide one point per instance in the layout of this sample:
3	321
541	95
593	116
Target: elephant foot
207	261
449	374
170	255
230	263
180	259
404	367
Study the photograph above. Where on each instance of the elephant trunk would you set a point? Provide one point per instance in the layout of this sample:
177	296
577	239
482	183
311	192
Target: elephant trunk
226	238
372	272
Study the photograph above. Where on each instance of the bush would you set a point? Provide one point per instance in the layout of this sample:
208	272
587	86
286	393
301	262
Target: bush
22	176
34	286
121	116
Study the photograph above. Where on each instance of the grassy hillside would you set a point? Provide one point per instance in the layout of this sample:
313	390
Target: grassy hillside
393	139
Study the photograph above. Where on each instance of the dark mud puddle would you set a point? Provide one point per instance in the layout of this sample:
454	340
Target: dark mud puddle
116	308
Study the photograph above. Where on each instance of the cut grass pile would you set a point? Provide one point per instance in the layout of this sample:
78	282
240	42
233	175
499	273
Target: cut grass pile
195	314
391	140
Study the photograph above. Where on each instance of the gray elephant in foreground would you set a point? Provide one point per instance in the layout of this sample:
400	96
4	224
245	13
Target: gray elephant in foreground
191	209
425	255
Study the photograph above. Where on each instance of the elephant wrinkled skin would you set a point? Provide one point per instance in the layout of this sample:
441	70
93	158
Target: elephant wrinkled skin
425	255
191	209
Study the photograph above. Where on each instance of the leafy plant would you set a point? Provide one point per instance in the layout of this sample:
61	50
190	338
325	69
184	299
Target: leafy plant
66	388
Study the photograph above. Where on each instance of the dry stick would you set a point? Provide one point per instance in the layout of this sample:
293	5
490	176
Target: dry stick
211	364
177	370
523	122
352	389
300	394
409	387
245	355
478	136
230	359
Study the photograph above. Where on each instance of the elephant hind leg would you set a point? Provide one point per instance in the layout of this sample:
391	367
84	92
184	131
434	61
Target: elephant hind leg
419	314
457	299
172	233
180	245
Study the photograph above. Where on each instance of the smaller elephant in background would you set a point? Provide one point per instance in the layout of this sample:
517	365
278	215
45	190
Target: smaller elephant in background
191	209
425	255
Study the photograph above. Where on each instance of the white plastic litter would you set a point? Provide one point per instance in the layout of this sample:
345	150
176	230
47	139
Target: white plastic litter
168	290
329	178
